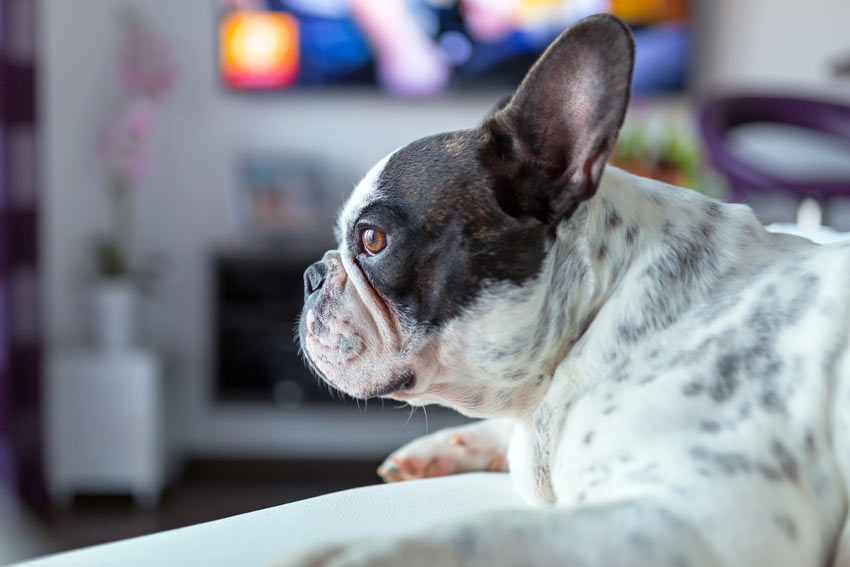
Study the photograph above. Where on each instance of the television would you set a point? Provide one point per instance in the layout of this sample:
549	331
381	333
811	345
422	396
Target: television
422	48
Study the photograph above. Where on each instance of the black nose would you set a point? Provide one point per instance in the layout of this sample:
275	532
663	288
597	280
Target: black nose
314	278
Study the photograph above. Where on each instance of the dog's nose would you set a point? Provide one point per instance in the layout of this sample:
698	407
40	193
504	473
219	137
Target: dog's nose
314	278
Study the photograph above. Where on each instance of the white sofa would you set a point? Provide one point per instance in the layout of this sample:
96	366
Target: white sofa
266	537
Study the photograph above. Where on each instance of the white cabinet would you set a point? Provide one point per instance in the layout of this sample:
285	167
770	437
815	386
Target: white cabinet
104	424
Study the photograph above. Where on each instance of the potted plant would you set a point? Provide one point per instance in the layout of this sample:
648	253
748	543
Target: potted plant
125	150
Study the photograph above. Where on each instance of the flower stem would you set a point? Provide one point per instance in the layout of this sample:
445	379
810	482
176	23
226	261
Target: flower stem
121	219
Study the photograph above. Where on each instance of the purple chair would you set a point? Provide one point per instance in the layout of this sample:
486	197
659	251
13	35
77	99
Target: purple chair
720	115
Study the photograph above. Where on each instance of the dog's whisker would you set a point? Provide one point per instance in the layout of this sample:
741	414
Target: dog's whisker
412	411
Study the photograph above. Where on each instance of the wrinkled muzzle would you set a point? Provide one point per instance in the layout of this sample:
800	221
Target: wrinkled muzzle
349	335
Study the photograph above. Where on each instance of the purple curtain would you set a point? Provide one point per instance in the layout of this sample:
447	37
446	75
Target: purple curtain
20	352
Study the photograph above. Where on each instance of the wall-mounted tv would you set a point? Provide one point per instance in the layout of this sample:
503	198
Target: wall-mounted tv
421	48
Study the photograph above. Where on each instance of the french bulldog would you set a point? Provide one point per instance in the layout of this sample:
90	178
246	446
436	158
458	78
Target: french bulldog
667	382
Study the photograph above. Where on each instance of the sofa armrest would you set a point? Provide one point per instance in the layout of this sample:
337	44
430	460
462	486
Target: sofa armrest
266	536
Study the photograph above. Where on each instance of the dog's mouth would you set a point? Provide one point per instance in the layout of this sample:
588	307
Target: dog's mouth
401	382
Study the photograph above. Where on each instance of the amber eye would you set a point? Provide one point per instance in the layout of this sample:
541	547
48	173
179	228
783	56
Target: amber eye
374	240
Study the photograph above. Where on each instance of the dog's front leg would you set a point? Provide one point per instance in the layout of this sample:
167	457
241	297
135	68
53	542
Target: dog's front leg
615	533
479	446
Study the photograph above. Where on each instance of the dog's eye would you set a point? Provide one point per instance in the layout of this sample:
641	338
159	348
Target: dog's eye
373	240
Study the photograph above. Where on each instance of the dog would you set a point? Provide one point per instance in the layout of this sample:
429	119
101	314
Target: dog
667	382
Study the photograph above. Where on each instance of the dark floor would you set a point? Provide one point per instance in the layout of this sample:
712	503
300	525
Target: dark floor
207	490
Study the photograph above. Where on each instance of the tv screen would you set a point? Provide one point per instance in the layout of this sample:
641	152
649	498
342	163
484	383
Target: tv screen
421	48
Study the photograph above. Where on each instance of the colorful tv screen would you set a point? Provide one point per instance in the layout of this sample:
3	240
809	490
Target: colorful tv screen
421	48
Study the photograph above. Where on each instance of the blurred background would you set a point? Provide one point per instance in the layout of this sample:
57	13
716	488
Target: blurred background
168	170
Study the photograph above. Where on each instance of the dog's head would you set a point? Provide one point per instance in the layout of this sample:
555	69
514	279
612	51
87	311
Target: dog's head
452	227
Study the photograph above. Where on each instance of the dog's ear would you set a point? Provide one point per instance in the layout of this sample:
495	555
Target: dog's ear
547	147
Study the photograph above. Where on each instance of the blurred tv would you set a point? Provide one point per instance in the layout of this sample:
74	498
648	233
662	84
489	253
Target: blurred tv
422	48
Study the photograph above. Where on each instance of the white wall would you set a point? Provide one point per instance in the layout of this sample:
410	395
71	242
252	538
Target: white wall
788	44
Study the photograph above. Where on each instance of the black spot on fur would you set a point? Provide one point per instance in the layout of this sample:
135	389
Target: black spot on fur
690	389
785	460
631	234
786	525
726	462
588	438
612	219
725	383
602	251
709	426
771	402
714	211
811	446
687	260
769	472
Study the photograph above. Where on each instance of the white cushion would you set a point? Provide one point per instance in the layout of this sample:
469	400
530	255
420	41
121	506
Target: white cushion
267	536
821	235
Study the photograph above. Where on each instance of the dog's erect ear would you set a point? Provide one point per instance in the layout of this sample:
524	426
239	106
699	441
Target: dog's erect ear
548	146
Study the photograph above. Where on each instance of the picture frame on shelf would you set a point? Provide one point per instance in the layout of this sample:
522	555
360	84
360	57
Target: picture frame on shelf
281	195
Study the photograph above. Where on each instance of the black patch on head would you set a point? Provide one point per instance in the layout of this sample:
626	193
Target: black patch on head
448	234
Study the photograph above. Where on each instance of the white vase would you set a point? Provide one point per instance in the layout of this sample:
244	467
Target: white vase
112	304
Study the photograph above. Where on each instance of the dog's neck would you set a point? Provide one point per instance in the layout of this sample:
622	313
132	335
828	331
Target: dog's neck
628	263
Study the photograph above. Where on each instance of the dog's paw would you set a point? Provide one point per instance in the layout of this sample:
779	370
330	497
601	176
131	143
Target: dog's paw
452	451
